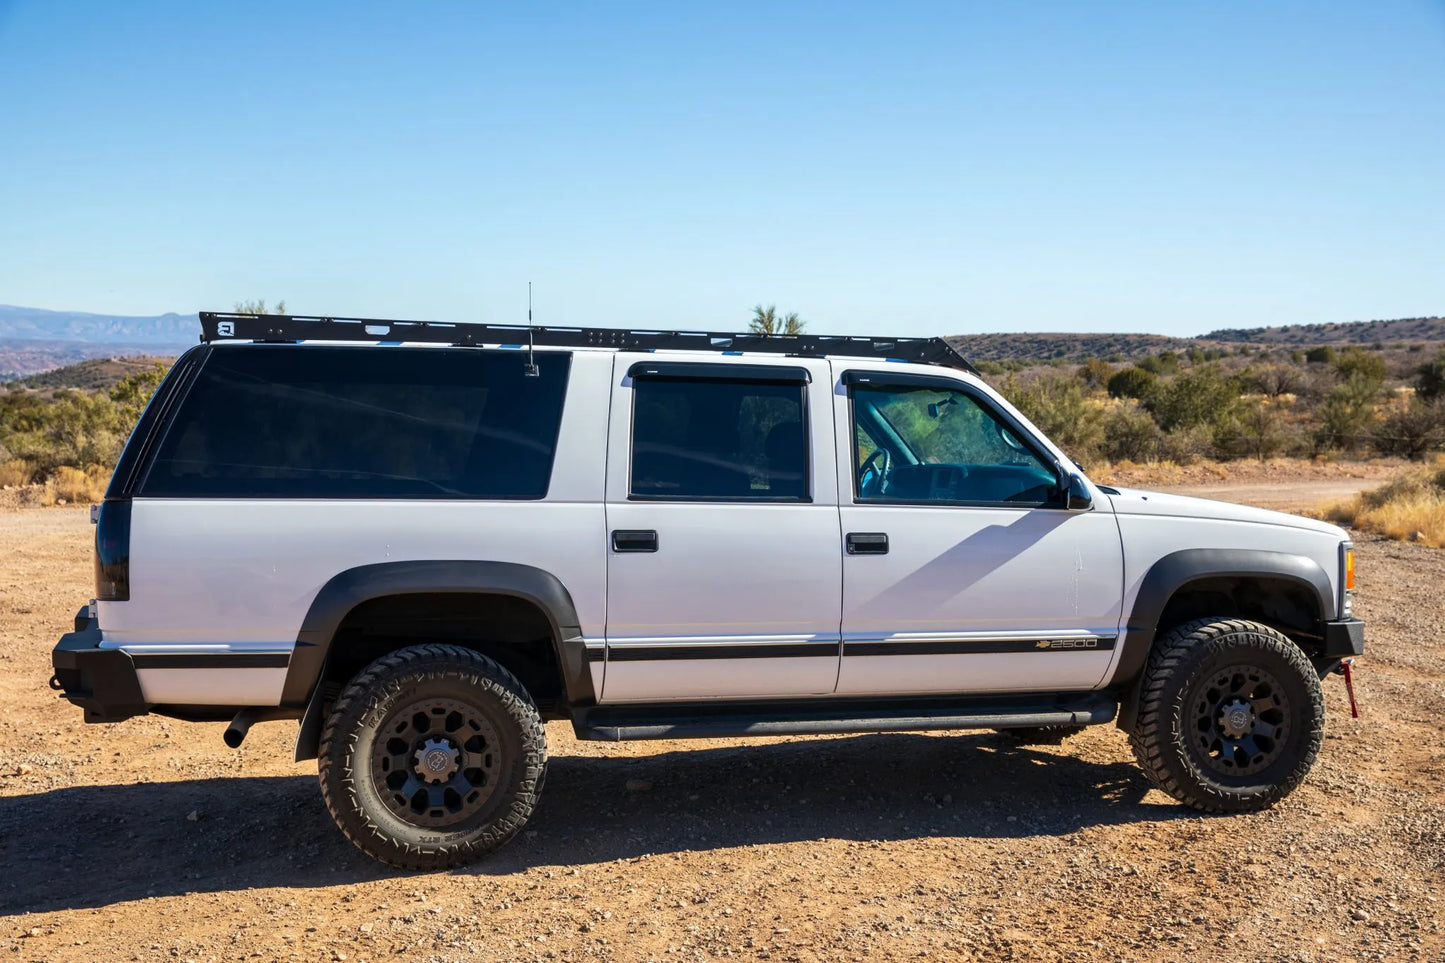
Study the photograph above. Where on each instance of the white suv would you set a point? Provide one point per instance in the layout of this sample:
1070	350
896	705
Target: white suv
421	541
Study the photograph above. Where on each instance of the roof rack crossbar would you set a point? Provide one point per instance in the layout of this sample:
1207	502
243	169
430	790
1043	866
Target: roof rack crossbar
222	326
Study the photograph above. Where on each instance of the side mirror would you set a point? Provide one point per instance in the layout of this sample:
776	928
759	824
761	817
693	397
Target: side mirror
1078	498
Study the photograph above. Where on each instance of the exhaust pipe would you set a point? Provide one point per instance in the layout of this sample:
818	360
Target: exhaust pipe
236	732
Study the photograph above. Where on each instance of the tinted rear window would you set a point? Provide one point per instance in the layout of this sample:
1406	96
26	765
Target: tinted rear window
357	422
711	439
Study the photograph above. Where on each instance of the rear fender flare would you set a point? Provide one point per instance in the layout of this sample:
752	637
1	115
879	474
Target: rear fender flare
354	586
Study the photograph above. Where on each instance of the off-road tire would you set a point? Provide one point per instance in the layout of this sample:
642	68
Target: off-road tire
1042	735
503	721
1192	665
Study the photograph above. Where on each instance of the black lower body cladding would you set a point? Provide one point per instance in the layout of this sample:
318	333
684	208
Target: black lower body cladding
103	682
1344	639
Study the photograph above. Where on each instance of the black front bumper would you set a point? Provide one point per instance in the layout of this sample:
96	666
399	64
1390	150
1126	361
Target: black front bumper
1344	638
101	681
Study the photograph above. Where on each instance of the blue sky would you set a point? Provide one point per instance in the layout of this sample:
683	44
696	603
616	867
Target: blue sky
901	168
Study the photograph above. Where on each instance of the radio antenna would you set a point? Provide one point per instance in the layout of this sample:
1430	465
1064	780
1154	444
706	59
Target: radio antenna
530	370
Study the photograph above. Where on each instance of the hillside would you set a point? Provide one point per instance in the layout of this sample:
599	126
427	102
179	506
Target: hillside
1402	330
20	358
1426	332
96	373
1065	346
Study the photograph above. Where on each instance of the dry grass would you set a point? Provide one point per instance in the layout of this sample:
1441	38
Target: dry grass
74	485
1409	507
16	472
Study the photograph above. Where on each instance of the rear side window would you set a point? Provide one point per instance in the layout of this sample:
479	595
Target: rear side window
360	422
714	439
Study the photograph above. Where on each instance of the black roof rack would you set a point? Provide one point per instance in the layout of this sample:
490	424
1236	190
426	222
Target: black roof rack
220	326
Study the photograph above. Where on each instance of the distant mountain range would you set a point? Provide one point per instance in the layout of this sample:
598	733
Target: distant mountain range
39	324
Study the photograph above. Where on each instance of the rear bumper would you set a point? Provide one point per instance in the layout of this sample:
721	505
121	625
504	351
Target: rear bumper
1344	638
101	681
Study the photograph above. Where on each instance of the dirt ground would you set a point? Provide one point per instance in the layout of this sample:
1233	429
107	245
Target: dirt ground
151	840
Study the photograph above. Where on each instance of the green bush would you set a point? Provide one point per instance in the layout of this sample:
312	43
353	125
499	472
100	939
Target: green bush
1199	396
1057	404
1131	434
1133	383
1430	382
76	429
1355	363
1412	431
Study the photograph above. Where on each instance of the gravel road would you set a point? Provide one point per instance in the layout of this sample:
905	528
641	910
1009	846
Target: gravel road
151	840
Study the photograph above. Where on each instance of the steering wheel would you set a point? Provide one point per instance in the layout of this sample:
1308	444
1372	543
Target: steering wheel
872	472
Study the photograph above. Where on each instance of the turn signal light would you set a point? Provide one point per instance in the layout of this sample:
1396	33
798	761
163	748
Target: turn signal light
1349	570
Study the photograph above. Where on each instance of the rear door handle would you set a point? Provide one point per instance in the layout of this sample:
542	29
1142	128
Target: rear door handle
867	543
634	540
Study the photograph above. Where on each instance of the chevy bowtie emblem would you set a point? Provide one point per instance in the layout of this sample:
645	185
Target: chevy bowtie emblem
1043	645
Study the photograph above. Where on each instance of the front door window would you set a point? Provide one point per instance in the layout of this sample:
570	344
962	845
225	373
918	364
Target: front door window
920	444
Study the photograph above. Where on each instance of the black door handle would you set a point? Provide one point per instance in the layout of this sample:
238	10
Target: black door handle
634	540
867	543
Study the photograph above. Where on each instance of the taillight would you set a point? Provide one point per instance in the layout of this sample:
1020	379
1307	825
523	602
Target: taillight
1347	580
112	551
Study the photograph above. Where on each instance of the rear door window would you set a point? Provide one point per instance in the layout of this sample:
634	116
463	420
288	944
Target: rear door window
713	439
364	421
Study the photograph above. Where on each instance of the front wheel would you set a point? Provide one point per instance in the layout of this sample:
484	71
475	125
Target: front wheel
432	756
1230	716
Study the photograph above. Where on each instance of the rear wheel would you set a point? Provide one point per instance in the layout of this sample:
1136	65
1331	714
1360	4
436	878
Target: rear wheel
432	756
1230	716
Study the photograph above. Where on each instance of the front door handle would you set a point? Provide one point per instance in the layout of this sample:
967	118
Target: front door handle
867	543
634	540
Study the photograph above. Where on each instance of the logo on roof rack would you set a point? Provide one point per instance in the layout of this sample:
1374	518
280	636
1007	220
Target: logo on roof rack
225	329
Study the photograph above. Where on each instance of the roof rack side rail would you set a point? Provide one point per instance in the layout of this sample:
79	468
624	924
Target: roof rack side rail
286	328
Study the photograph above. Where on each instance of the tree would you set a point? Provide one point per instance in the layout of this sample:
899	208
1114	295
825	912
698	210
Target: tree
1200	396
1414	430
1355	363
768	321
259	307
1431	381
1095	372
1133	383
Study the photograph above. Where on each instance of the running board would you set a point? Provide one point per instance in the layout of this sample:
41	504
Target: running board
710	720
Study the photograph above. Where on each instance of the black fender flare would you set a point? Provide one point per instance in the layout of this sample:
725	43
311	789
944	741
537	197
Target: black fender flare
350	588
1176	570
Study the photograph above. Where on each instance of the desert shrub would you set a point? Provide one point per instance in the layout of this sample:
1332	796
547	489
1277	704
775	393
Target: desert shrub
74	428
1412	430
1344	419
1199	396
1411	502
1057	405
1163	363
1272	380
1131	434
1323	354
1095	373
1132	383
1257	428
1430	379
1355	363
1186	446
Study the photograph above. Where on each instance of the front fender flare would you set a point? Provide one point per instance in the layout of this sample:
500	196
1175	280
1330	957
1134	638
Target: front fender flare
1176	570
